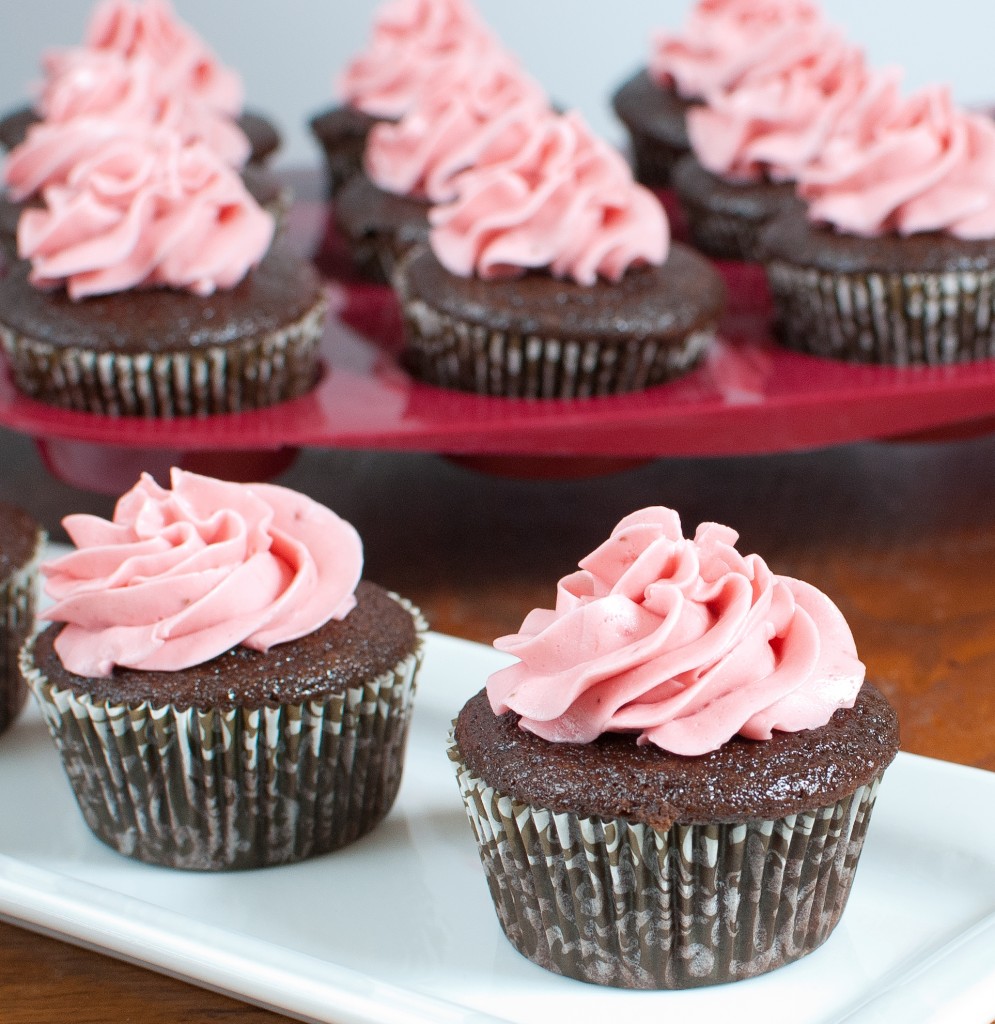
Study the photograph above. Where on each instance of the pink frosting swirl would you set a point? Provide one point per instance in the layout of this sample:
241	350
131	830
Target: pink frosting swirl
777	118
685	642
905	166
146	211
100	96
549	194
180	576
448	130
417	45
724	39
150	30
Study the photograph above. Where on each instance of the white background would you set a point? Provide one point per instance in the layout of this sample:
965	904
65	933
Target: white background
288	50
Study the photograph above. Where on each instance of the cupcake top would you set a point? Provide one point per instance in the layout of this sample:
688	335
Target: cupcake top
779	114
684	642
547	194
180	576
905	165
150	30
452	124
416	45
147	210
723	39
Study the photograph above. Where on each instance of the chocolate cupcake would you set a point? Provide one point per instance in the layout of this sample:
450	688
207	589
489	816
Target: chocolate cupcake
185	316
21	540
680	797
413	47
254	711
550	277
894	259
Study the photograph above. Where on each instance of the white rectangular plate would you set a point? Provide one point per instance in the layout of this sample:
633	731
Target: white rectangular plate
399	927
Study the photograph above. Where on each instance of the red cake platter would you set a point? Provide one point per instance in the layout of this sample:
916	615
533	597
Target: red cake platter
748	397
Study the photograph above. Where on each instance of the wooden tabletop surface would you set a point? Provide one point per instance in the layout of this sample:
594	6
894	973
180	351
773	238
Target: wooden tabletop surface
902	536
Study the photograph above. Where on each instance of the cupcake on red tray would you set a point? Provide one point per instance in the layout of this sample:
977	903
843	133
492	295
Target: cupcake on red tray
224	689
185	68
752	139
147	287
21	541
413	163
894	259
551	275
720	42
672	786
414	43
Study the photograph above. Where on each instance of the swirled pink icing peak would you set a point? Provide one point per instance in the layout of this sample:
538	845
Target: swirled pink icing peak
684	642
147	210
548	194
416	45
446	132
724	39
906	165
780	113
149	29
100	96
181	575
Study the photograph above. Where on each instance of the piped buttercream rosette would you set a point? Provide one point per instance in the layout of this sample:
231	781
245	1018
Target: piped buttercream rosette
181	575
684	642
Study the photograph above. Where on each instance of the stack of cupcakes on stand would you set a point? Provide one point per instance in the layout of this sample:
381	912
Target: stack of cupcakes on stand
672	786
141	69
893	261
409	165
225	690
148	287
414	44
551	275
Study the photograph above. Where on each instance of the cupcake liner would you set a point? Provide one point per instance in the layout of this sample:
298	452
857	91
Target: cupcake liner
618	903
343	159
250	374
722	235
227	789
452	353
653	160
899	319
17	616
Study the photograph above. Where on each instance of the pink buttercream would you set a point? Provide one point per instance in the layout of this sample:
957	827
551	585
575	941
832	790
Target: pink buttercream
180	576
724	39
449	129
150	30
101	96
146	211
905	166
549	194
417	45
777	118
685	642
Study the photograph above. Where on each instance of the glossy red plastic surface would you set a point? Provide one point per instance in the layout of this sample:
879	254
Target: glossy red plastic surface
749	396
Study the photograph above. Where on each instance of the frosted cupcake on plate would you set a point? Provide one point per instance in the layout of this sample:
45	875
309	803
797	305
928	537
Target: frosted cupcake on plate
551	275
413	44
148	287
893	261
672	786
185	67
225	690
720	41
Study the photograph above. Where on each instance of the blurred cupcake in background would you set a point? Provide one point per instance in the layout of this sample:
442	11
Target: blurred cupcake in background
893	261
414	43
551	275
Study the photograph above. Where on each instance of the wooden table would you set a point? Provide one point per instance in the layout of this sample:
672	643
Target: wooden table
902	536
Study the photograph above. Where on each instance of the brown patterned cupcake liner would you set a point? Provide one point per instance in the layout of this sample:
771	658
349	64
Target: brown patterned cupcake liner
234	788
618	903
653	160
893	318
18	596
721	235
250	374
452	353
